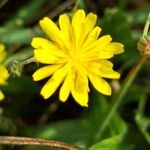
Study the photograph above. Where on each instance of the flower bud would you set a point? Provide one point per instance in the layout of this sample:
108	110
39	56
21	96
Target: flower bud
15	68
143	46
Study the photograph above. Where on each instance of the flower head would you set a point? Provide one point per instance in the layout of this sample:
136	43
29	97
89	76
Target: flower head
143	46
2	53
3	71
74	54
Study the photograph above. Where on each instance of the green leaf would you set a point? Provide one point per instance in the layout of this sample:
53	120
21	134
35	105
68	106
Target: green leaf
97	113
117	126
82	4
18	36
113	143
116	24
143	122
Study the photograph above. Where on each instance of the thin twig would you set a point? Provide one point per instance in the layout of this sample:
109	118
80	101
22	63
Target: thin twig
14	140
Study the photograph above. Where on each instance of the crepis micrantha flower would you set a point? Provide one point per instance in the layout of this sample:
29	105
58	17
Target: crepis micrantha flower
3	71
74	55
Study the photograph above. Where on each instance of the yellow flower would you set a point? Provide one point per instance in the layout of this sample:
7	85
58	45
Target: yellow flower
74	55
2	53
3	71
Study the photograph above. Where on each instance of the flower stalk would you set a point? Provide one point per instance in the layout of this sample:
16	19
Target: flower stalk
144	42
146	27
76	6
28	61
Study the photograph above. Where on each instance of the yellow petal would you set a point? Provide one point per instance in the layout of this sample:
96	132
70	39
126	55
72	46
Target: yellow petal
48	46
45	56
98	64
2	47
2	82
80	97
100	85
38	42
109	74
2	52
50	28
66	31
80	79
92	37
80	88
90	22
1	96
3	74
105	72
115	47
105	63
77	21
95	33
64	23
103	68
98	48
96	55
104	55
45	72
53	83
66	87
87	26
103	41
77	24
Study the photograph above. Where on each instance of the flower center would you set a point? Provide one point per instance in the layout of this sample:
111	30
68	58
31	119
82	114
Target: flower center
75	58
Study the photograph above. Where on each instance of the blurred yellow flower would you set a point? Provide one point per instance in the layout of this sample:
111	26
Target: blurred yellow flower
3	71
75	55
2	53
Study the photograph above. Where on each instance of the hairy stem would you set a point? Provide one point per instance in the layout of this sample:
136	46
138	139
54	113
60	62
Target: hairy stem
146	27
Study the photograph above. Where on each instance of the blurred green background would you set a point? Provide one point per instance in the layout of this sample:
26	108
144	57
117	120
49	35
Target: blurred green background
25	113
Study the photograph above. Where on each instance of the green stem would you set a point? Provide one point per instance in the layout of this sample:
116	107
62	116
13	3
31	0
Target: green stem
74	9
146	27
128	81
142	104
27	61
